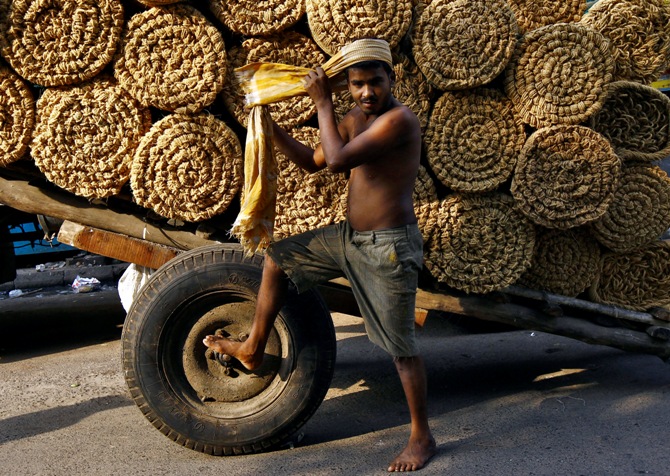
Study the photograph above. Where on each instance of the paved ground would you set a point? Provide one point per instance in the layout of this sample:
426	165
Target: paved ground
516	403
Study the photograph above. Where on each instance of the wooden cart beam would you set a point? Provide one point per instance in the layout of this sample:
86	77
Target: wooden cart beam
116	245
21	195
523	317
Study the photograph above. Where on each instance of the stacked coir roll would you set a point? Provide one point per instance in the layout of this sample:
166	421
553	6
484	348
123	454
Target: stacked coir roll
541	130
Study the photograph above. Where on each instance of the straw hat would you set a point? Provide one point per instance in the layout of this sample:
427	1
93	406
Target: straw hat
481	243
531	14
86	135
59	43
640	211
187	167
17	116
172	58
636	120
461	45
473	139
307	200
335	23
637	280
258	17
564	262
639	33
565	176
559	74
289	48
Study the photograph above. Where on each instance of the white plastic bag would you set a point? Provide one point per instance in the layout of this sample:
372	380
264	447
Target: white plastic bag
130	283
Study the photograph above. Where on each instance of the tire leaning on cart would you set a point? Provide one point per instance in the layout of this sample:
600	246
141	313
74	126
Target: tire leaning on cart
193	395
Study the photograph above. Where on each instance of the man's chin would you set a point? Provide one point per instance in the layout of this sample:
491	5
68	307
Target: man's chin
368	108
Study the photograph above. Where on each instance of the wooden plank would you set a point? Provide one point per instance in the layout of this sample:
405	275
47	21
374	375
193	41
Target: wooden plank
420	316
116	245
22	195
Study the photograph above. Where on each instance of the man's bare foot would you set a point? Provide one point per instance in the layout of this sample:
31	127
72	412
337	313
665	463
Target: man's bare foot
414	457
234	349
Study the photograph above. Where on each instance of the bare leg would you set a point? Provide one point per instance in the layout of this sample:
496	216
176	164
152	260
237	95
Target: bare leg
421	446
271	296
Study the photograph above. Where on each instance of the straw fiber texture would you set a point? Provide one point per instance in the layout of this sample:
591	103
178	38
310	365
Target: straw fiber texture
336	23
565	176
481	243
461	44
172	58
411	87
636	120
306	201
531	14
640	211
426	203
158	3
86	135
559	74
637	280
564	262
257	17
639	33
187	167
57	43
17	116
473	139
290	48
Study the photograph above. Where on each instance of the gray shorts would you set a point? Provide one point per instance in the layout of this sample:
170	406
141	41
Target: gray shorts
382	267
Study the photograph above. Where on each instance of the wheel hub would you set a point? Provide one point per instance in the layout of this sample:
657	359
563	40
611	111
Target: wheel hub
220	378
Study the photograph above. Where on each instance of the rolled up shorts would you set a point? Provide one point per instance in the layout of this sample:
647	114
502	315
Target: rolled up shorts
382	267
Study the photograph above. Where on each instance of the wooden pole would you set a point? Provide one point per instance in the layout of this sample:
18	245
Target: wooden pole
21	195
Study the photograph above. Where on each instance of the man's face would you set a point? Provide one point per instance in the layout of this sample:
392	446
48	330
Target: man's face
370	88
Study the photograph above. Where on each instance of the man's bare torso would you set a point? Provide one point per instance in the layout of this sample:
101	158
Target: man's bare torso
381	190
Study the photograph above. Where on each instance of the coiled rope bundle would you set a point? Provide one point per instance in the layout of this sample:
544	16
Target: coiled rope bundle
635	118
188	167
17	116
531	14
566	176
564	261
462	45
172	58
640	210
639	34
59	43
258	17
85	137
480	243
559	74
473	139
637	280
336	23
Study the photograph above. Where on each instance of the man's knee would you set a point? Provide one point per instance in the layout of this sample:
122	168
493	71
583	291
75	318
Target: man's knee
270	267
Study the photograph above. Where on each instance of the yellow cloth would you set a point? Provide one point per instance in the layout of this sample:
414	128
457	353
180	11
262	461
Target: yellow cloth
263	84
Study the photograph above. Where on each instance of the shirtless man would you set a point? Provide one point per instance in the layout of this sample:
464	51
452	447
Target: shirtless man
378	248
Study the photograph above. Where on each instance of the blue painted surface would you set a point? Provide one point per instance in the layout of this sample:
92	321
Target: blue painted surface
36	246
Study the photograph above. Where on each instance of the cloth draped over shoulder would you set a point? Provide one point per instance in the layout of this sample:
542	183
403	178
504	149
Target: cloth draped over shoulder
264	84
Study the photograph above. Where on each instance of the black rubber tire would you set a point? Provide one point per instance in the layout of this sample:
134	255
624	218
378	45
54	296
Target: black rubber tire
182	388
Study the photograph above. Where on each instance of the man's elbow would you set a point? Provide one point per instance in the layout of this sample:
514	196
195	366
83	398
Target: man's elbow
336	167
